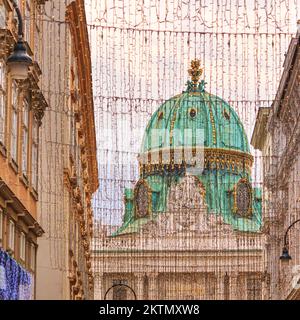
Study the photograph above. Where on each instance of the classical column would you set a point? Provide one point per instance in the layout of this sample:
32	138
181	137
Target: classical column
152	285
235	287
139	286
266	286
220	286
98	287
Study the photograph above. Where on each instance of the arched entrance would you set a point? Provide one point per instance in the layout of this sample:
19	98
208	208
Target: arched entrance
120	291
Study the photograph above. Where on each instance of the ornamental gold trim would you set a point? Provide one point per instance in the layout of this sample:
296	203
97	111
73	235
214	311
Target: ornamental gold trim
235	195
174	119
212	120
149	204
214	158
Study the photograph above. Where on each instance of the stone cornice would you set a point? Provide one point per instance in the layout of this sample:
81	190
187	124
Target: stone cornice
85	226
19	208
260	129
285	79
75	16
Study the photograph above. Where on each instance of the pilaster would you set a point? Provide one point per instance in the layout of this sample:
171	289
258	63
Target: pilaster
139	286
152	285
98	287
236	287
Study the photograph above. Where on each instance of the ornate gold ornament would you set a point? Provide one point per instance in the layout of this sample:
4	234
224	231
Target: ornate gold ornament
174	119
212	120
195	72
242	197
142	199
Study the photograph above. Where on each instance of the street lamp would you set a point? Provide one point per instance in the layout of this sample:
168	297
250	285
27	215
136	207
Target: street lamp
19	61
285	257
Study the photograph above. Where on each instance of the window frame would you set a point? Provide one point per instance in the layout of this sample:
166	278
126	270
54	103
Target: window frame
36	40
25	132
27	21
34	154
3	10
22	246
11	236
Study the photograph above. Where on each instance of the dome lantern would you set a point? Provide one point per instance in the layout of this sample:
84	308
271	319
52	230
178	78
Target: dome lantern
195	72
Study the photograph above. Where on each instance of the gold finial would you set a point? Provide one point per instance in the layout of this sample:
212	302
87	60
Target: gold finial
195	71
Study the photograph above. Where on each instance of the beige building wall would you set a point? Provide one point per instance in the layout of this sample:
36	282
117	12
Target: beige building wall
22	106
276	134
53	207
66	168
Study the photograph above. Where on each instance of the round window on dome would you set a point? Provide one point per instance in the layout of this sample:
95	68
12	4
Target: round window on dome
193	113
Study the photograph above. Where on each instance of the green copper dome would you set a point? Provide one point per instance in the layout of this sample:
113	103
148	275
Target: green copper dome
217	123
194	121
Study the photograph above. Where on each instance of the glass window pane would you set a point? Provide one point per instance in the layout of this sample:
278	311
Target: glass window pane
32	257
11	241
2	100
14	122
22	246
2	16
27	21
14	94
25	138
34	160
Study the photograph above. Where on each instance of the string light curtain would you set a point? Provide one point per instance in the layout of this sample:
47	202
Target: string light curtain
141	53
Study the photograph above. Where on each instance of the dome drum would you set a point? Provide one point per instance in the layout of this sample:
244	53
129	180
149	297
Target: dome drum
162	161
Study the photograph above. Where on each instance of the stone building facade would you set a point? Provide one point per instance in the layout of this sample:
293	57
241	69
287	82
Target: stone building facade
277	135
68	156
22	107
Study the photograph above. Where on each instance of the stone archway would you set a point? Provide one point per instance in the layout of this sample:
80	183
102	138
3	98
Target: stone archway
120	292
